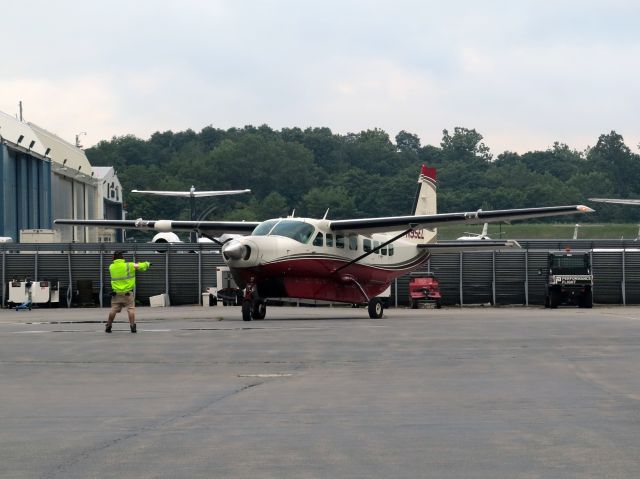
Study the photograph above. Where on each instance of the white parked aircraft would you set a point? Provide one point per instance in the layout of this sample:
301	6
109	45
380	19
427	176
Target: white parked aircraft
350	261
484	235
192	194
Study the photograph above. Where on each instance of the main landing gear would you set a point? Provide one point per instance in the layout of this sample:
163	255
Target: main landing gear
375	308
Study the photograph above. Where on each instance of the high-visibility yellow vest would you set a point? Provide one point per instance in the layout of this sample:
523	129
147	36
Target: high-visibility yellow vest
123	275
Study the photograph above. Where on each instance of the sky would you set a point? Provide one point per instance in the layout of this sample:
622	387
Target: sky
524	74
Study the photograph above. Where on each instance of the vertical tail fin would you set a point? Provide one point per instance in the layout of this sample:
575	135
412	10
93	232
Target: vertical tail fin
425	203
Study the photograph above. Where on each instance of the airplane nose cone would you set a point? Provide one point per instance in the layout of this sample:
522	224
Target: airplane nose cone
233	250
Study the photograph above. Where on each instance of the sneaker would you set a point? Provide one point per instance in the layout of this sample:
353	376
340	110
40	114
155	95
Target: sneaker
134	329
107	328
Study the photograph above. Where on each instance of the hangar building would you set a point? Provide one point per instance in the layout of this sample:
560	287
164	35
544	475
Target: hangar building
43	177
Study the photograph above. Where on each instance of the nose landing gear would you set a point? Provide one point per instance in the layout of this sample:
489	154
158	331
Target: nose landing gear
253	308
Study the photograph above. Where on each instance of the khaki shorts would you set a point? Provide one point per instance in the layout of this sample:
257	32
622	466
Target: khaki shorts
122	300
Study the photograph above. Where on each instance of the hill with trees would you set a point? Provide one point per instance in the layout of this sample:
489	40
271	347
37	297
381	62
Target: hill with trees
362	174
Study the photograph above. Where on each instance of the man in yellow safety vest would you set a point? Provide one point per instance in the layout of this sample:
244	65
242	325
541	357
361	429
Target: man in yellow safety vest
123	282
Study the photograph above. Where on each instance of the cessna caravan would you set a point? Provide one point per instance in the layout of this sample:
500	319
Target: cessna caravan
349	260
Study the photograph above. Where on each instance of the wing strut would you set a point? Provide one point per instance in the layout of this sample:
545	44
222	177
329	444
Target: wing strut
215	240
374	250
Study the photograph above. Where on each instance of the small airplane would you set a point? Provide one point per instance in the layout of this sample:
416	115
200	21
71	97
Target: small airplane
192	194
350	261
484	235
577	226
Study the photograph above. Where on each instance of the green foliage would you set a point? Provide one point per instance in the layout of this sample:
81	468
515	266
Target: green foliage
361	174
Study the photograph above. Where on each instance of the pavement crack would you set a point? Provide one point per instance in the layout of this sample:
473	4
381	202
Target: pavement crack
61	470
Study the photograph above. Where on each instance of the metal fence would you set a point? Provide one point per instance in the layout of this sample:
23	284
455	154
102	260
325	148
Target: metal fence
183	271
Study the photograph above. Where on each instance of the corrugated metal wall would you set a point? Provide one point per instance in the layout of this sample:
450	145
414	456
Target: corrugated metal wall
510	278
607	277
25	190
184	271
632	277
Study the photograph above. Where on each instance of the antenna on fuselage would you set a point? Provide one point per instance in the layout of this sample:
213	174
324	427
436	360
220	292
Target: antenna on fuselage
326	213
293	213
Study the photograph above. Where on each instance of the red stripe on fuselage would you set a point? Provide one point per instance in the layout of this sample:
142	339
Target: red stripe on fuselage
315	278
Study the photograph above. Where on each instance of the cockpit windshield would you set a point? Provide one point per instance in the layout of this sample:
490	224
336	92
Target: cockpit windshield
294	229
263	228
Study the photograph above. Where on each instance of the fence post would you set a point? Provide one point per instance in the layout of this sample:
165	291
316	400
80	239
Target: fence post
493	282
70	285
101	283
199	271
526	277
593	283
166	271
460	281
624	278
4	281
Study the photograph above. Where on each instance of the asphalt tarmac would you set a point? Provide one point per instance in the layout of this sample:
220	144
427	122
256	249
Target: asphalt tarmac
321	393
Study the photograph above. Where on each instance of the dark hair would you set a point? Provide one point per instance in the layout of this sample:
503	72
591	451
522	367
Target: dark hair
118	255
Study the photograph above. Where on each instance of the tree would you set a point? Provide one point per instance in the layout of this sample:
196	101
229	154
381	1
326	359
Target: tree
464	144
611	156
335	198
407	142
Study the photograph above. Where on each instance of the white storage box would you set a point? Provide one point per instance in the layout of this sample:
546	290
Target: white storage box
160	300
205	300
40	291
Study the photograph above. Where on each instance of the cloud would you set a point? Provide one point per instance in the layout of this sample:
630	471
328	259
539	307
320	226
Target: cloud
66	108
524	74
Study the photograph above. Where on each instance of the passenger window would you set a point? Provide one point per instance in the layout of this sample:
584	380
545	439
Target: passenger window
383	251
375	246
339	241
366	245
329	239
318	240
391	249
353	242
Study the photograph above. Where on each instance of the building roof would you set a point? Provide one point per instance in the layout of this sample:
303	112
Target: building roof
21	136
62	152
103	171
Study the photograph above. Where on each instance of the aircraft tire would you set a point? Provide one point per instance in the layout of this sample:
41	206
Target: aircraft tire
246	310
259	310
375	308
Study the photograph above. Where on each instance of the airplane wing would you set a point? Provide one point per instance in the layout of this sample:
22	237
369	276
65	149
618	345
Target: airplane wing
209	227
619	201
196	194
397	223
